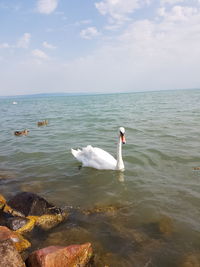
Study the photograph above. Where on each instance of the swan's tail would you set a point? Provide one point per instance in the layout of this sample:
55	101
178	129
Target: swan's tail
75	152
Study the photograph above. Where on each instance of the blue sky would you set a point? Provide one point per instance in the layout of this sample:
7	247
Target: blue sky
98	46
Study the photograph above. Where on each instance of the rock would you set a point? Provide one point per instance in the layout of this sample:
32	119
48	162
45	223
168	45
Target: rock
69	235
9	255
166	226
8	209
31	204
5	175
48	221
14	219
191	260
2	200
111	210
30	223
15	223
37	210
57	256
18	241
4	207
4	217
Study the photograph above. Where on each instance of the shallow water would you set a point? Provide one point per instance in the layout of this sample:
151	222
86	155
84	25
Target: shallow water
160	179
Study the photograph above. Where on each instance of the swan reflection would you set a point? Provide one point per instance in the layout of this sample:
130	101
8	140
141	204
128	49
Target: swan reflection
120	177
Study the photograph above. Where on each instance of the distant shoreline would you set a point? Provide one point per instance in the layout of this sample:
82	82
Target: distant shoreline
92	93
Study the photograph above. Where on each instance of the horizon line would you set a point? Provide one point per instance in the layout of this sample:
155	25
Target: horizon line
93	93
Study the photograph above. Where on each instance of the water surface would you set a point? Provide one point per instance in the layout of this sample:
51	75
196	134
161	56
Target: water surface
162	150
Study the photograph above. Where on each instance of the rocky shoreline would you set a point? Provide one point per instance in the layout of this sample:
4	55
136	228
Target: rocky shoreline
21	215
27	212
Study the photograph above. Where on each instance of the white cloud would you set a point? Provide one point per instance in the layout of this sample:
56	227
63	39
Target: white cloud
47	45
150	54
24	41
178	13
171	2
117	10
89	33
39	54
5	45
46	6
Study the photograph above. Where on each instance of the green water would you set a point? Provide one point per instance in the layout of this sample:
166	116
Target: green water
159	181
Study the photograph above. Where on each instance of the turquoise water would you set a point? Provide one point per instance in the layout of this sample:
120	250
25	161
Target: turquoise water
159	181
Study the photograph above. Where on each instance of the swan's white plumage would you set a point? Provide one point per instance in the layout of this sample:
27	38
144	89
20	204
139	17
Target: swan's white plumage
100	159
95	157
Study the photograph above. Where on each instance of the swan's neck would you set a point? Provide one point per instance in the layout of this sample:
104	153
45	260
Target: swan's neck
120	163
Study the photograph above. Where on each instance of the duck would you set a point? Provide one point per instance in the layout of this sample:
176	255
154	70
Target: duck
42	123
20	133
100	159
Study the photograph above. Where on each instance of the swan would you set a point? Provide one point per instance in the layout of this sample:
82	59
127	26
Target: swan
100	159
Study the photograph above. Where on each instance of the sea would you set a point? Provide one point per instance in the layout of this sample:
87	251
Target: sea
148	215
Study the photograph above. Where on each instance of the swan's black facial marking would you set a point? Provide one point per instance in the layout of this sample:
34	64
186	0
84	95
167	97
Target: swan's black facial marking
122	135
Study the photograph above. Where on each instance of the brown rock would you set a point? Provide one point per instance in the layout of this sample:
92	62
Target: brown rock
18	241
191	260
9	255
57	256
166	226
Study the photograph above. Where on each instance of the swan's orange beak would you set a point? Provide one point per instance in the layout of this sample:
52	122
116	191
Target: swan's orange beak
123	139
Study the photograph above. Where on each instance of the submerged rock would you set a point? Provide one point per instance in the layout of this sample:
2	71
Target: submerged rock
5	175
191	260
67	236
57	256
166	226
110	209
9	255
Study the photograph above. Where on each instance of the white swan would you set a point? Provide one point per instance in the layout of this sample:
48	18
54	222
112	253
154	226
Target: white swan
100	159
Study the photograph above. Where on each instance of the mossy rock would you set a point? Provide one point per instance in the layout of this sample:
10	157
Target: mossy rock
110	209
2	202
47	221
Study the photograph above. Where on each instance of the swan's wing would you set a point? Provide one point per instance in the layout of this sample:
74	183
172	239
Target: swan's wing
95	157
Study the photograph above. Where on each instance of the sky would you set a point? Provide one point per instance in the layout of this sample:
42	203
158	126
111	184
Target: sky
98	46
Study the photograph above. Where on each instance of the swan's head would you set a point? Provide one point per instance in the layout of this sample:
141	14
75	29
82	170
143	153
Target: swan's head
122	135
